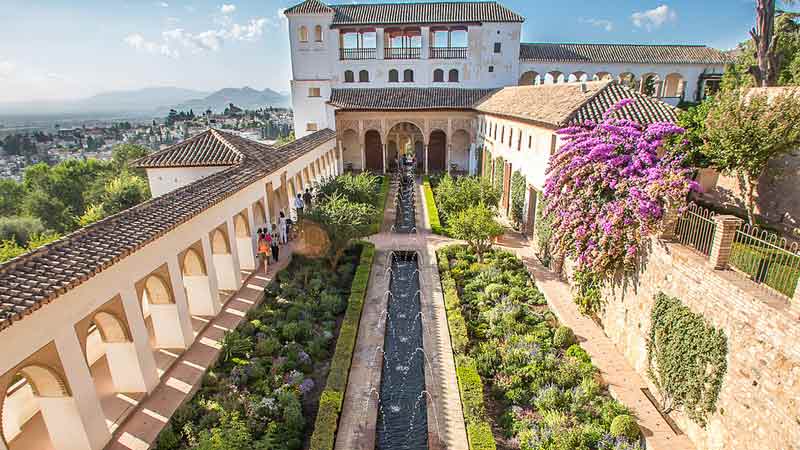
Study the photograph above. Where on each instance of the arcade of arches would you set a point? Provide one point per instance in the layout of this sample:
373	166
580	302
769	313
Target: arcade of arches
439	141
672	85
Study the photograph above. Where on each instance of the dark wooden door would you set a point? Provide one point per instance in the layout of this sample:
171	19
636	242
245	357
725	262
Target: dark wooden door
437	153
374	151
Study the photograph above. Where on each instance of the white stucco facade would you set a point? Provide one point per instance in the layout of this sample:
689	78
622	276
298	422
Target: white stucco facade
167	179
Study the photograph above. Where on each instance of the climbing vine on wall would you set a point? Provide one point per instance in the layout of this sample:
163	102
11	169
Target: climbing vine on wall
499	169
687	358
543	230
517	197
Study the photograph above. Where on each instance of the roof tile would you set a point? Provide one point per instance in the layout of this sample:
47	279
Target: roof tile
406	98
410	13
622	53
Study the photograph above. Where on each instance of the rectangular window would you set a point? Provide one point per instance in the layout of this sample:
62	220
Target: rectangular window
519	141
311	126
530	141
313	92
497	47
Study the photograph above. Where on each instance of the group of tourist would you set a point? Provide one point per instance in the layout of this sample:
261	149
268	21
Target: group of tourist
271	238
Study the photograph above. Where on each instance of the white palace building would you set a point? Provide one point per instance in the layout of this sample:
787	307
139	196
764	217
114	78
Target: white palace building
91	325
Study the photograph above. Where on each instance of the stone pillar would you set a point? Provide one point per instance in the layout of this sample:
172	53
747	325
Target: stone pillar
725	231
140	337
214	305
425	163
383	147
448	155
426	43
237	266
76	422
184	332
363	157
379	43
669	222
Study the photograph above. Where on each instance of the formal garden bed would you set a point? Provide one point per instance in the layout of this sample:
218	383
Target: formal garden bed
447	196
540	390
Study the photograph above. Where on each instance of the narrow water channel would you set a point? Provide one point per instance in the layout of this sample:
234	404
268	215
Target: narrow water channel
405	217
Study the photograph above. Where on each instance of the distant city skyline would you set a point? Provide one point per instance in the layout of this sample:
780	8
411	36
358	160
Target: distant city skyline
59	49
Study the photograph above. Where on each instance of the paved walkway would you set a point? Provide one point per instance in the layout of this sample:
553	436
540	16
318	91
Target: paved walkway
179	383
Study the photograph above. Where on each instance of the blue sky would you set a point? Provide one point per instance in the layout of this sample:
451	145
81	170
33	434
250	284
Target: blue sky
54	49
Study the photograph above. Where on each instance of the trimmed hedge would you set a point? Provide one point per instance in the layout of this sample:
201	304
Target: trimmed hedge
470	386
330	404
381	205
430	205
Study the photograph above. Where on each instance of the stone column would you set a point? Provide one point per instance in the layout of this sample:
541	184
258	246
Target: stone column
379	43
669	222
140	337
211	272
448	155
383	147
237	266
76	422
426	42
725	231
363	157
181	302
425	163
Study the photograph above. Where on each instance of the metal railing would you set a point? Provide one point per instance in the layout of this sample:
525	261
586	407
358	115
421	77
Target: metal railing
358	53
696	228
766	258
402	53
449	52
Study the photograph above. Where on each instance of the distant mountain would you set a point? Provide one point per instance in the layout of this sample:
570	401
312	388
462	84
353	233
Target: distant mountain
246	98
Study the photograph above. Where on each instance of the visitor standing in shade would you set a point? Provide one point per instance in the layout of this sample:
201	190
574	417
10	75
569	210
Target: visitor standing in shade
299	205
275	239
264	248
282	227
307	198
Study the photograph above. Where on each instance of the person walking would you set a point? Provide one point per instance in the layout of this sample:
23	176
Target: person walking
275	239
307	199
264	248
299	205
282	227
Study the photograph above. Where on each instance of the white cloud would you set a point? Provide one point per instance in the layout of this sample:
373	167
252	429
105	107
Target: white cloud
653	18
163	4
7	68
249	31
138	42
227	8
599	23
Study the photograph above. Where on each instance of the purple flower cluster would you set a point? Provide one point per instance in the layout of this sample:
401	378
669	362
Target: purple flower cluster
607	188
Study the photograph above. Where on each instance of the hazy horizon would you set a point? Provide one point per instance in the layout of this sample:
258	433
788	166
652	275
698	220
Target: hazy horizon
57	50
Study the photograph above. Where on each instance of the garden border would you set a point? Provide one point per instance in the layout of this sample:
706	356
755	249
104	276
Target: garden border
430	206
330	403
377	221
470	385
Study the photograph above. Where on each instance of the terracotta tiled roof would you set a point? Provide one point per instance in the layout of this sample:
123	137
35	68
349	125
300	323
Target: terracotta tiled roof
32	280
205	149
622	53
422	13
309	7
557	105
406	98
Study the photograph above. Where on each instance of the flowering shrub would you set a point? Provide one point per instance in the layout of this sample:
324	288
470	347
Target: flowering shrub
607	189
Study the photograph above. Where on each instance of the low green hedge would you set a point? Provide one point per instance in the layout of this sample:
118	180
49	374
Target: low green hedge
381	206
430	205
330	405
470	385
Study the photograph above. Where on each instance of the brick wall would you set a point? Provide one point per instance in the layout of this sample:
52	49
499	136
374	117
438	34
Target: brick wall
759	406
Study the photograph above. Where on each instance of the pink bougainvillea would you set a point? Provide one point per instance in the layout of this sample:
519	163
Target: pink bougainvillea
607	188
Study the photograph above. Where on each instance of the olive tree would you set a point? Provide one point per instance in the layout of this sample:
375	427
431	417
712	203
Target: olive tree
477	226
342	222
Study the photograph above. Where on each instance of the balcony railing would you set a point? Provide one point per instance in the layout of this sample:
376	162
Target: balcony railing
402	53
449	52
357	53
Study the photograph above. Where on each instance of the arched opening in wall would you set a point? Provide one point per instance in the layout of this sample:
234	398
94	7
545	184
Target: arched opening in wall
363	76
318	33
36	407
578	76
373	149
245	244
452	76
674	86
202	299
603	76
259	215
651	84
459	151
393	76
351	150
302	34
628	80
408	76
438	76
405	135
529	78
437	151
553	77
222	256
349	76
156	298
419	154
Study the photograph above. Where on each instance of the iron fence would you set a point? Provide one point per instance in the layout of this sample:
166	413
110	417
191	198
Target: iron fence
402	53
766	258
696	228
448	52
357	53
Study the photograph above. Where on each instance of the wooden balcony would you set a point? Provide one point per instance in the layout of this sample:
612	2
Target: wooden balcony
449	52
357	53
402	53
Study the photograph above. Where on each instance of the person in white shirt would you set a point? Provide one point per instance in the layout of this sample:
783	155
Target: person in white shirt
282	227
299	205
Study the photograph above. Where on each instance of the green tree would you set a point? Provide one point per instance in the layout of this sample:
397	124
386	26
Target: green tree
285	139
342	221
478	227
19	228
693	120
124	191
10	249
744	132
11	195
122	155
93	213
454	195
50	210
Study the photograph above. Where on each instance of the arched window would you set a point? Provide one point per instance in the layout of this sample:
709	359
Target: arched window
408	76
452	76
349	76
303	34
438	76
394	76
363	76
318	33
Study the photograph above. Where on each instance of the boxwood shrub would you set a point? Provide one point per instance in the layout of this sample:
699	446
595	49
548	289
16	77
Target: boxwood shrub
430	205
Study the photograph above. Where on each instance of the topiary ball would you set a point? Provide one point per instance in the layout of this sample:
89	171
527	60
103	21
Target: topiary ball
564	337
625	425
